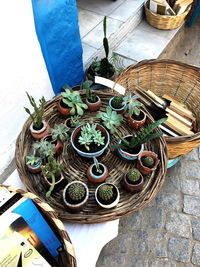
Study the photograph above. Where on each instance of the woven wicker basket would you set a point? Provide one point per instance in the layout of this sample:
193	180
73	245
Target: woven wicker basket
68	257
75	169
163	22
176	79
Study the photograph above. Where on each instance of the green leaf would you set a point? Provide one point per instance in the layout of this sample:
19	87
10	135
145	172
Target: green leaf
79	110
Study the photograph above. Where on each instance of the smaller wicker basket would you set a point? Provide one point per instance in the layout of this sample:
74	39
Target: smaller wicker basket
68	257
164	22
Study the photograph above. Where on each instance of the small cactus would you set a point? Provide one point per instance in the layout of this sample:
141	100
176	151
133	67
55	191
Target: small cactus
133	175
148	161
117	102
76	192
106	192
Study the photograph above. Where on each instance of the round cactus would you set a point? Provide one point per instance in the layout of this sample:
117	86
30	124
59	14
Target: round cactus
106	192
76	191
148	161
117	102
133	175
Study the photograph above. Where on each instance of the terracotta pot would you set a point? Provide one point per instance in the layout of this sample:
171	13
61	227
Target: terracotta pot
146	170
129	156
39	134
118	110
114	203
92	107
97	178
58	182
35	168
79	206
136	124
134	188
90	154
65	111
58	145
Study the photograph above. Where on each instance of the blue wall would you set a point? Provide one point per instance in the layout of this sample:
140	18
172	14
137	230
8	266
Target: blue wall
56	23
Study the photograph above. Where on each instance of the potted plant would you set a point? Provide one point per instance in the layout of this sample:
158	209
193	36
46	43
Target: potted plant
102	67
33	164
133	180
117	104
90	140
131	146
73	122
136	117
52	174
71	103
147	162
75	195
58	135
93	101
43	148
39	127
110	119
107	195
97	172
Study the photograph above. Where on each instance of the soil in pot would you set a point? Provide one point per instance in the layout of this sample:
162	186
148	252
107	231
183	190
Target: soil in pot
134	150
139	117
110	200
95	172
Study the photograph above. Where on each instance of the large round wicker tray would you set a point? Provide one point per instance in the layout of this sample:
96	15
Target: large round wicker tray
75	169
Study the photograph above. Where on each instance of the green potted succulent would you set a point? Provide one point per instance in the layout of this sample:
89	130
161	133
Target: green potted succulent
110	119
71	103
43	148
97	172
136	117
133	181
147	162
39	127
93	101
90	140
102	67
75	196
131	146
33	163
52	172
107	195
57	136
117	104
73	122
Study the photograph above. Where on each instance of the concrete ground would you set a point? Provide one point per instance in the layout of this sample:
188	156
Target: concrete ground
167	232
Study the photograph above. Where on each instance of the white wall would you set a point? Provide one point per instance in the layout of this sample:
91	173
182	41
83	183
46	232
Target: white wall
22	69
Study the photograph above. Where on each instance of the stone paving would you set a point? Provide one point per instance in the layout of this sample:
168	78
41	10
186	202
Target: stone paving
166	233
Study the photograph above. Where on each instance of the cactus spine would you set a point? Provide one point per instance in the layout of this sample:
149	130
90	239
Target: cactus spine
76	192
106	192
148	161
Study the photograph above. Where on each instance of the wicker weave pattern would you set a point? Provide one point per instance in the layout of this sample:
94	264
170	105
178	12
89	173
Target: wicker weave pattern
176	79
75	169
163	22
52	217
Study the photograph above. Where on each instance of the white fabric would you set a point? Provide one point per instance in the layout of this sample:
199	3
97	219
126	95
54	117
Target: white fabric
88	240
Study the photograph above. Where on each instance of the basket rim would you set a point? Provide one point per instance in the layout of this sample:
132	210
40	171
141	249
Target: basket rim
51	212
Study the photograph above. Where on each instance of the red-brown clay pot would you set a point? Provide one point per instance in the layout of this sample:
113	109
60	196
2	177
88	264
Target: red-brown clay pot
92	107
59	180
92	177
65	111
35	169
39	134
143	169
135	124
134	188
58	145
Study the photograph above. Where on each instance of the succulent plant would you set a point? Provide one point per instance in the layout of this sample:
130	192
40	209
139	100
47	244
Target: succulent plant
132	105
117	102
91	96
133	175
73	100
105	192
52	169
75	121
38	111
89	135
148	161
96	164
110	119
143	135
44	148
33	160
59	132
76	191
